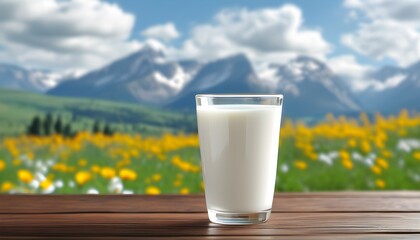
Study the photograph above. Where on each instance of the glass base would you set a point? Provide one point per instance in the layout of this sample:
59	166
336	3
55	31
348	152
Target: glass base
229	218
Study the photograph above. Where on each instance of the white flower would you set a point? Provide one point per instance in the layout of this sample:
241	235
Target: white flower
356	156
115	185
50	162
127	191
327	157
39	176
40	167
333	154
369	161
92	191
34	184
72	184
50	189
284	168
58	184
407	144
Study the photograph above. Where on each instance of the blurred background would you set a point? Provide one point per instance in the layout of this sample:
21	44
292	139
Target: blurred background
98	96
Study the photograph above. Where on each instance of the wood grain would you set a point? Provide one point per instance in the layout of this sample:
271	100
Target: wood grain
319	202
344	215
312	237
197	224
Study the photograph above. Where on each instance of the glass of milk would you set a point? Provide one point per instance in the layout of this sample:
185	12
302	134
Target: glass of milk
239	140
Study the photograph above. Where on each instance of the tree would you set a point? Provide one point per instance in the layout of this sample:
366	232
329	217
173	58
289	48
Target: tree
67	132
107	130
48	124
96	127
58	126
35	126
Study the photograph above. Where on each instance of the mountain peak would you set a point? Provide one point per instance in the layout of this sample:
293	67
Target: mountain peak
19	78
386	72
149	52
309	63
236	57
153	46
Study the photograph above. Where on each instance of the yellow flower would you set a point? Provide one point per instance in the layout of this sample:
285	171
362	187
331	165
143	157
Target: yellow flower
128	174
134	153
313	156
416	155
348	164
107	173
152	190
157	177
382	162
25	176
82	177
386	153
375	169
6	186
301	165
344	155
60	167
202	185
365	146
352	143
45	184
95	169
380	183
82	162
184	191
2	165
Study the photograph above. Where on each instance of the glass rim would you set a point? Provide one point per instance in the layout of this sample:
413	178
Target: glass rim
244	95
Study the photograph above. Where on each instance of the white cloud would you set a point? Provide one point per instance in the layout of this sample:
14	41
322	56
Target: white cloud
347	67
390	29
270	34
60	35
164	32
404	11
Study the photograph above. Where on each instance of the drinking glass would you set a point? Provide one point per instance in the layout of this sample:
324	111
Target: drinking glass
239	140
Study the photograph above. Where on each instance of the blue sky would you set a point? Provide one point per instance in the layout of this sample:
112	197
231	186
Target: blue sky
329	16
353	37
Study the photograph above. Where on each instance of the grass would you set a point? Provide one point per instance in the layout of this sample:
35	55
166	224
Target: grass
18	108
338	154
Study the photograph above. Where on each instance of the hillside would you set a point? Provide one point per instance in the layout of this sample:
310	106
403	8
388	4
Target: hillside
18	108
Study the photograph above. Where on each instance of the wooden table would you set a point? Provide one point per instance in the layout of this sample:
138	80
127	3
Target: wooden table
344	215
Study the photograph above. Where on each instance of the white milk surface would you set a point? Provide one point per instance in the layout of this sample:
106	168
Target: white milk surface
239	147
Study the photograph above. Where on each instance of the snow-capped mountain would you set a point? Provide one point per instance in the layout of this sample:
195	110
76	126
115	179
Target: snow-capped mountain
145	76
18	78
309	87
393	89
228	75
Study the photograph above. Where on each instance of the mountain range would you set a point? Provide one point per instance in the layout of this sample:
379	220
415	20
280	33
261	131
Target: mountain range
309	86
18	78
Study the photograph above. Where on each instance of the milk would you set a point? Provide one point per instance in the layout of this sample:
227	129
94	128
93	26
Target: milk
239	147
